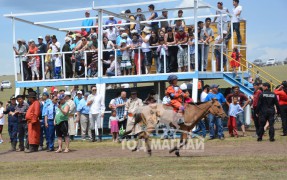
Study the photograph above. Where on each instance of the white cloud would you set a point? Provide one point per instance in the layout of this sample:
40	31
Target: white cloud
269	52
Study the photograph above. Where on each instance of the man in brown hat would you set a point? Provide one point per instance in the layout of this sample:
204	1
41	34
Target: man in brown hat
32	117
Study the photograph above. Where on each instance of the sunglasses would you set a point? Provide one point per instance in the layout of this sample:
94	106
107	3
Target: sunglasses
94	90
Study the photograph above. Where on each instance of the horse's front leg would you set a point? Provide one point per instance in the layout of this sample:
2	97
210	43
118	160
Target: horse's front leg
140	136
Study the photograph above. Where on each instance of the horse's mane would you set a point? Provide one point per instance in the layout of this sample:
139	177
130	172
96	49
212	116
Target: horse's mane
197	103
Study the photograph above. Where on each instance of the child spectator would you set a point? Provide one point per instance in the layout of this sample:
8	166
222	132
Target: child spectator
2	119
58	66
162	50
191	43
234	109
33	65
114	125
126	62
111	71
235	62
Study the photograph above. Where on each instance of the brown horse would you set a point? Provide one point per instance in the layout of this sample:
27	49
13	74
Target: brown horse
148	116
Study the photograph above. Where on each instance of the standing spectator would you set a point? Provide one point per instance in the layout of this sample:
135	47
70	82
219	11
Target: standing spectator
130	16
132	105
178	24
213	120
32	64
172	49
50	114
42	48
87	22
180	15
162	50
61	123
120	103
114	125
257	78
201	34
111	20
266	111
181	39
20	112
234	110
33	50
12	122
243	101
235	62
48	41
112	104
282	93
257	92
138	55
78	98
208	37
55	47
83	116
74	91
2	121
146	50
153	41
191	43
221	11
68	60
21	51
235	19
72	111
46	102
154	25
34	127
164	24
217	50
111	33
126	62
139	17
97	109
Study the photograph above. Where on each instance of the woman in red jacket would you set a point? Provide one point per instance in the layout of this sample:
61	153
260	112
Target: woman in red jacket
282	93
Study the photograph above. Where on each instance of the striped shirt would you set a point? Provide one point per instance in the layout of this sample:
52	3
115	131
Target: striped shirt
120	110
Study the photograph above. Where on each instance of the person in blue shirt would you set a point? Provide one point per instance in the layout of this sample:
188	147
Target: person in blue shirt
78	98
12	122
111	20
87	22
49	114
46	102
213	120
154	15
83	116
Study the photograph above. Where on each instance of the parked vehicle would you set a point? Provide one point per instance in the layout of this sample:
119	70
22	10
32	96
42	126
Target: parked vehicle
285	61
271	62
6	84
258	62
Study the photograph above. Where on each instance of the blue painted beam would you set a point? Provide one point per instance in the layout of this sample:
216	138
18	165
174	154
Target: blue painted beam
234	82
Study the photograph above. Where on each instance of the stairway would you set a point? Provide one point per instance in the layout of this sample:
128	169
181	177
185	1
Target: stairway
242	82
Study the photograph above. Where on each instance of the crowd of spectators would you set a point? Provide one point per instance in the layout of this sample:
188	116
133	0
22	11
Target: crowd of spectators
128	49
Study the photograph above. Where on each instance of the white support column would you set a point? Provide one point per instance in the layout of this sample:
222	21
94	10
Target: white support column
221	49
195	89
139	62
188	58
195	35
43	67
86	65
14	57
100	43
116	65
64	66
164	63
232	35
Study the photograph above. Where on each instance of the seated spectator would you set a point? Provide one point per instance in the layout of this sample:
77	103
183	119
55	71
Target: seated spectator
113	66
164	24
87	22
126	62
154	25
181	39
111	20
83	32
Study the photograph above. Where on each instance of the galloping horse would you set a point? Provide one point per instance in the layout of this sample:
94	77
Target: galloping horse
194	112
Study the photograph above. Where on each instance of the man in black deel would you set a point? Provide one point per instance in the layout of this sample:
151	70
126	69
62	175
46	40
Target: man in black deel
266	111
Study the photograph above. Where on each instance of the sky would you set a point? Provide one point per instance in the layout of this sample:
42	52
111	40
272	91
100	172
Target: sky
266	23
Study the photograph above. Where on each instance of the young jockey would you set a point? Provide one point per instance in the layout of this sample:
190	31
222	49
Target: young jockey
176	97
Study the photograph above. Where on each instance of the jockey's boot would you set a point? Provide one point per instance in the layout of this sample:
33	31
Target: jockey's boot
180	116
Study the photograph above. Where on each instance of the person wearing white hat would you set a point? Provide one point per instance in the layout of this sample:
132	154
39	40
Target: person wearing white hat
111	33
72	111
21	51
78	98
146	50
217	50
87	22
111	20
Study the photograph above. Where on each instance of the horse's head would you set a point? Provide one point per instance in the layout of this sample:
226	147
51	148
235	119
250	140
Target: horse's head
216	109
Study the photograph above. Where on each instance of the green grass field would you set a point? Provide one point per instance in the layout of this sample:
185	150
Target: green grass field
241	158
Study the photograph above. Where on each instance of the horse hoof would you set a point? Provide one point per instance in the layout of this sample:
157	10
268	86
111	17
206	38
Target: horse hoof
177	153
135	149
149	152
170	151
